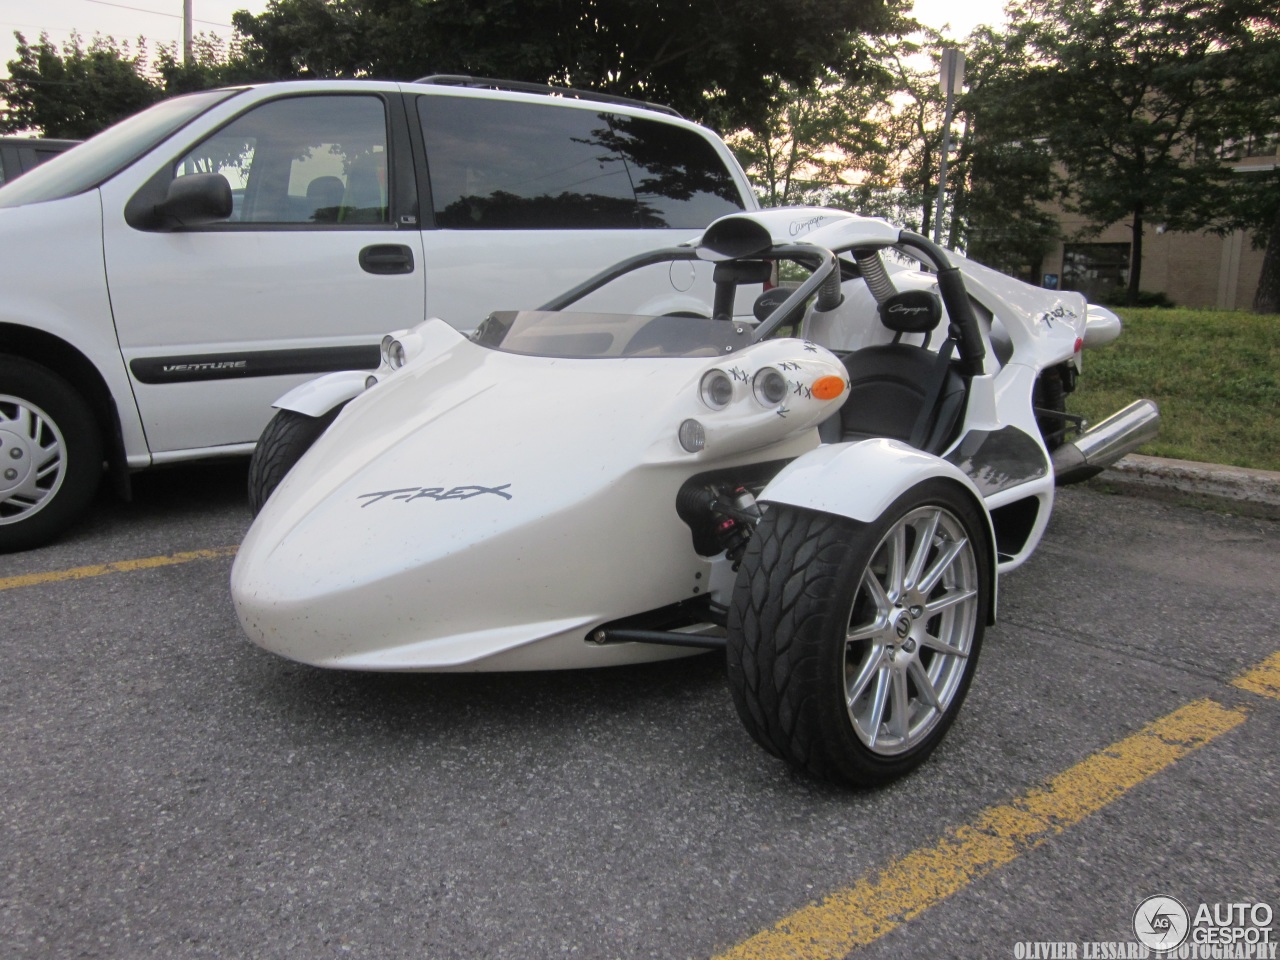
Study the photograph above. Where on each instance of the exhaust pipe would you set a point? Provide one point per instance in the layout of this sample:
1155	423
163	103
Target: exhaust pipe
1095	450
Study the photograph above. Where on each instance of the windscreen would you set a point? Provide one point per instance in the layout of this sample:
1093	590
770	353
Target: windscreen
540	333
89	164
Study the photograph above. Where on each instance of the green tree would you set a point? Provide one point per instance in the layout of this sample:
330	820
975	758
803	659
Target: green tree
1263	216
864	139
1254	200
1125	94
214	63
75	91
721	63
1003	180
814	144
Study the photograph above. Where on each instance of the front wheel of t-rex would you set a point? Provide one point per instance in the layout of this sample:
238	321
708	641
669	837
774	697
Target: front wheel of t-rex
852	645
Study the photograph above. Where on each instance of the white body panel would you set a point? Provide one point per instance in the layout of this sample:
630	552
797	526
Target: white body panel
858	480
464	538
71	302
317	397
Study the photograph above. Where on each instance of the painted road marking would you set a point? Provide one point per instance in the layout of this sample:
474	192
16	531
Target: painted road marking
1264	679
121	566
877	904
872	907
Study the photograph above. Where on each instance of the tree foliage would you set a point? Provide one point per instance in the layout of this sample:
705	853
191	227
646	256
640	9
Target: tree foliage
76	90
867	144
814	144
1004	181
1130	98
721	63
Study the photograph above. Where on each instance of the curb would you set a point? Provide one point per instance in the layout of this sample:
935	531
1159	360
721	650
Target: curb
1256	492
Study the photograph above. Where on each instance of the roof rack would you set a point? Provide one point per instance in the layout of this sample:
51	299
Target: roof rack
520	86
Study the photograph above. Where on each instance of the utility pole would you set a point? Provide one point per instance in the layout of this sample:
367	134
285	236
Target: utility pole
951	79
186	32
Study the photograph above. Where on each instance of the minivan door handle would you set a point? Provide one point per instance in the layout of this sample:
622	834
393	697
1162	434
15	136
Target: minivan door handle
386	258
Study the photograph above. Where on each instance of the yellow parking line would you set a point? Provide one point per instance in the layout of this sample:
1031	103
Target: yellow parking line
873	906
121	566
1264	679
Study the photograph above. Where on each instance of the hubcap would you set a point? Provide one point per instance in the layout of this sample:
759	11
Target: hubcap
911	630
32	459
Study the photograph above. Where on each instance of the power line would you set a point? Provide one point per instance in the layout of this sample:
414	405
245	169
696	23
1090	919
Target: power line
159	13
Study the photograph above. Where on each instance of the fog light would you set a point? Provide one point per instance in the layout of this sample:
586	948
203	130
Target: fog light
692	436
770	387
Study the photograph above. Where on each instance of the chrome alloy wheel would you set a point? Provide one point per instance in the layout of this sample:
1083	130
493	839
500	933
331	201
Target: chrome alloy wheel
911	629
32	459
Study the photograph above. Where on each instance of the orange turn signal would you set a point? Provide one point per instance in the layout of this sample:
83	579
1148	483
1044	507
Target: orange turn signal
828	388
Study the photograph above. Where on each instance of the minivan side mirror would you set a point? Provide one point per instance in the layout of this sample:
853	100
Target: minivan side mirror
193	200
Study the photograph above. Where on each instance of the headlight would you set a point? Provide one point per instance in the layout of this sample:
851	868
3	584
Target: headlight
716	389
392	352
770	387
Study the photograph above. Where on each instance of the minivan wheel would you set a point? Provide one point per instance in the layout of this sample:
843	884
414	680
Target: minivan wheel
50	454
286	438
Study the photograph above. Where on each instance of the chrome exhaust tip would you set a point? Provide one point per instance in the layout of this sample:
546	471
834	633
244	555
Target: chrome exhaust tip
1096	449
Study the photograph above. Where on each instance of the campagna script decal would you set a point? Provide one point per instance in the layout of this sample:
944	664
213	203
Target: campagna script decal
410	494
907	309
798	227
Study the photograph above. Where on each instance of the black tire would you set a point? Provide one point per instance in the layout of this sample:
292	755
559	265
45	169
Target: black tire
805	584
286	438
50	454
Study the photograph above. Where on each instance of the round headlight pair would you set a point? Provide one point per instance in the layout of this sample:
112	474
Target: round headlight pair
769	387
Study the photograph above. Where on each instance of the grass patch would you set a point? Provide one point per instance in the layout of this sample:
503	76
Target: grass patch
1214	374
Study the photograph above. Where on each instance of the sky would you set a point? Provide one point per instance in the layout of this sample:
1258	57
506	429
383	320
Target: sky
160	21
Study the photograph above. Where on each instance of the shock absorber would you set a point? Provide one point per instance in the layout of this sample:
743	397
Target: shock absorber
738	515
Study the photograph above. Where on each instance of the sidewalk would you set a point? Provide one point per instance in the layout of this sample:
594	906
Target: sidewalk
1255	492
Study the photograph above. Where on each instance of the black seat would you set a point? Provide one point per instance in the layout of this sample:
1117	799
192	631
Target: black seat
904	391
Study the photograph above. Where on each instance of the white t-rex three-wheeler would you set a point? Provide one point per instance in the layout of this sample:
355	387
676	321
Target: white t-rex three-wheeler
815	446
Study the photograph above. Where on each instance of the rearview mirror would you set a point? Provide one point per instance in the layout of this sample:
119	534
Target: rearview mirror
193	200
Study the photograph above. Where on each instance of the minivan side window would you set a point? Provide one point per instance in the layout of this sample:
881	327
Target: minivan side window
496	164
302	160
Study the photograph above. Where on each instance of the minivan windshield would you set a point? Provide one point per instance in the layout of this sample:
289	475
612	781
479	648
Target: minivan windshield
547	333
97	159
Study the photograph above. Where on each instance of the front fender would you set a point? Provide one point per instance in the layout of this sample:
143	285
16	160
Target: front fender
859	480
317	397
862	479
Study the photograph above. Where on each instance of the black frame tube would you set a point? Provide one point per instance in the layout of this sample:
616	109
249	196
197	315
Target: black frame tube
669	638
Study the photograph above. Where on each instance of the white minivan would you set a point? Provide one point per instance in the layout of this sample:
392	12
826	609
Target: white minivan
163	283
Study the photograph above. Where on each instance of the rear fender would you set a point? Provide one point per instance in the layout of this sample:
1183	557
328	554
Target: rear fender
317	397
861	480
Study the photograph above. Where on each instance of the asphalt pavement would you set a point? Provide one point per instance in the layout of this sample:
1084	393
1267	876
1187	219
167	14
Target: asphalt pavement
171	791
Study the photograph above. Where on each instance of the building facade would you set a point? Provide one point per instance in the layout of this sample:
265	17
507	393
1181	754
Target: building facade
1203	270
